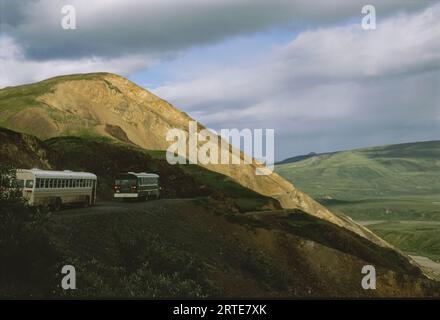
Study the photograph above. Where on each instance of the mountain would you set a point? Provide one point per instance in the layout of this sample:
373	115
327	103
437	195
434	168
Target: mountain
409	169
108	105
200	240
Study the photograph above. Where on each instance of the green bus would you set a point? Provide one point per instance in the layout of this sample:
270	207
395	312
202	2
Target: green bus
132	185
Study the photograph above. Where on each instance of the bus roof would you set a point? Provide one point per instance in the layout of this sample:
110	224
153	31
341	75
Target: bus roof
141	174
58	174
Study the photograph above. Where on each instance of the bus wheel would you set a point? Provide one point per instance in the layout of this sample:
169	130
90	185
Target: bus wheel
57	204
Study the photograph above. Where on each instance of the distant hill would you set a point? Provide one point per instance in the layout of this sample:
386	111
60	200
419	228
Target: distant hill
298	158
387	171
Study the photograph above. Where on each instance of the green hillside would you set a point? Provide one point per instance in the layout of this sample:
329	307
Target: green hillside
397	170
413	237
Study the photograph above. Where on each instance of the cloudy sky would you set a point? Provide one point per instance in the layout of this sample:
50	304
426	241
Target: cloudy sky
303	67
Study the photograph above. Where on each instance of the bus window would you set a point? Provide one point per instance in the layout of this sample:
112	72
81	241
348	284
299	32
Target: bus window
29	184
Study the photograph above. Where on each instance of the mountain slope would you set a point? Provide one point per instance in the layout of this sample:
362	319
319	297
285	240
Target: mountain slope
158	251
112	106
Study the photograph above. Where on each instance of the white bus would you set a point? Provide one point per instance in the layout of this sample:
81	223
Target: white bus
140	185
55	188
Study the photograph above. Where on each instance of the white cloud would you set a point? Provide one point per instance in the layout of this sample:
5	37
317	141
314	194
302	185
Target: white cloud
16	69
118	27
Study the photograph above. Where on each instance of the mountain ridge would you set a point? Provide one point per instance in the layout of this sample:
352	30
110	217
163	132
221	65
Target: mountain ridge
312	154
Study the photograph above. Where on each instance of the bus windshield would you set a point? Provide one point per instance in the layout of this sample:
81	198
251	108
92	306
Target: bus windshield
125	182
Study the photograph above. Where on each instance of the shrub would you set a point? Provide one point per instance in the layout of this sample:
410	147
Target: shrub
27	257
